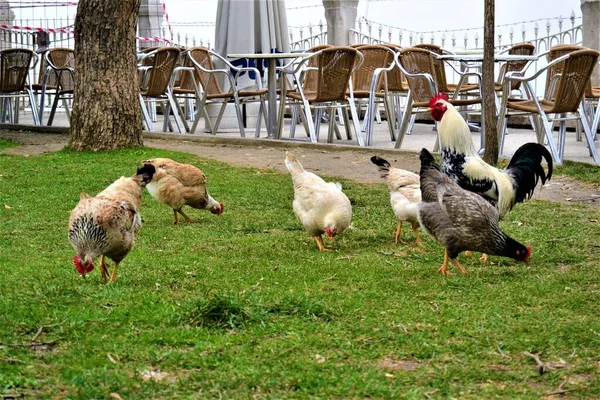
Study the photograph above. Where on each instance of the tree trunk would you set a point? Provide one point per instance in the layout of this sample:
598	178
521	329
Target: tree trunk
489	105
106	111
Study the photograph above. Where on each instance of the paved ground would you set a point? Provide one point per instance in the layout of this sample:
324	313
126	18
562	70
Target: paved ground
350	162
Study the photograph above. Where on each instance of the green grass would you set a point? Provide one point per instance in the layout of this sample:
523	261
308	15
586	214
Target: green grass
4	144
585	172
243	305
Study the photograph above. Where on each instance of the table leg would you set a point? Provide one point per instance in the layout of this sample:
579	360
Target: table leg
272	99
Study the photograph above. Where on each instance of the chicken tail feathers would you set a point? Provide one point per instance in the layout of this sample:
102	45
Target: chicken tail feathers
526	170
292	163
383	165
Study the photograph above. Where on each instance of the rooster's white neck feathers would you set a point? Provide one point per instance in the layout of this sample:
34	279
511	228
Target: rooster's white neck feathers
457	136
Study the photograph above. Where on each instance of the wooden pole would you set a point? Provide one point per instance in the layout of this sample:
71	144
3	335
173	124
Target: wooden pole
489	105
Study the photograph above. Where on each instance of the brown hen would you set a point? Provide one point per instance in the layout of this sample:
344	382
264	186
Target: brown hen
177	185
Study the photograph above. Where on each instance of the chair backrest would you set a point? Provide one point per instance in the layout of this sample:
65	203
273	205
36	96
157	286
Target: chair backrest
375	56
574	80
14	68
521	49
396	79
62	58
164	61
554	53
334	67
202	56
419	61
309	83
439	67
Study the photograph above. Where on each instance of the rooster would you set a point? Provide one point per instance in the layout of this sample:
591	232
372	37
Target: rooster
405	194
178	185
461	220
460	161
320	206
106	225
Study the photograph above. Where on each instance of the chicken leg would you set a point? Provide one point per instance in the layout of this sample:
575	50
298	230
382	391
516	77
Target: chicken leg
187	219
444	268
103	269
398	237
415	228
113	276
320	244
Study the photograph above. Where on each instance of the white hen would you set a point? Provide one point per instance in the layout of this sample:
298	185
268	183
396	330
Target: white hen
321	206
405	194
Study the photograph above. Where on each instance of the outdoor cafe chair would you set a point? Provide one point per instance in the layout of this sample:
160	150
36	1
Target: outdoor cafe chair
370	85
59	77
419	66
209	90
330	87
158	70
451	89
308	78
568	78
397	88
15	65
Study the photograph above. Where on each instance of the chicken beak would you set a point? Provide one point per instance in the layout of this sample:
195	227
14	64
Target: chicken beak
429	109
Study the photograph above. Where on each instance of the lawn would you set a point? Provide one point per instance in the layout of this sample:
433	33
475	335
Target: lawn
244	306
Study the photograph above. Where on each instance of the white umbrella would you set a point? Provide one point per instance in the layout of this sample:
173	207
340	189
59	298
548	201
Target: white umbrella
251	26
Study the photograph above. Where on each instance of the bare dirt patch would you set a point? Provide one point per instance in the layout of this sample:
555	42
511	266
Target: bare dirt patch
343	161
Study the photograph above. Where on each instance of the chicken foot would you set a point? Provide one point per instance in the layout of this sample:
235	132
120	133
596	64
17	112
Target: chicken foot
483	258
444	268
187	219
320	244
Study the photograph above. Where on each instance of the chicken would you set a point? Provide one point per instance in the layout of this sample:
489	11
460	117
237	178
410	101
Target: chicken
405	194
106	225
320	206
461	220
460	161
178	185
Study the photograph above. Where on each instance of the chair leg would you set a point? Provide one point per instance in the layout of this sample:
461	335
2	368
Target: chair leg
53	110
145	114
589	137
547	127
562	133
34	109
405	120
220	116
346	120
389	111
594	126
309	121
356	122
201	109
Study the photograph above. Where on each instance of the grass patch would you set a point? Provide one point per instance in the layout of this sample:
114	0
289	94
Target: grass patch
584	172
5	143
243	305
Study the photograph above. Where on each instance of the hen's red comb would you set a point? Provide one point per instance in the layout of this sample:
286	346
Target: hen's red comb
437	97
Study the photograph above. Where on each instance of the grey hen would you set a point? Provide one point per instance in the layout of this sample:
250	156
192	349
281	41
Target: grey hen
461	220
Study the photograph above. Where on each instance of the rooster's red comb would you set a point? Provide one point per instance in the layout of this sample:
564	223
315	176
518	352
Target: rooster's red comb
437	97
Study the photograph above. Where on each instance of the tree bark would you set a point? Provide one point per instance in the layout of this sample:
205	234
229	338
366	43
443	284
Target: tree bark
489	105
106	111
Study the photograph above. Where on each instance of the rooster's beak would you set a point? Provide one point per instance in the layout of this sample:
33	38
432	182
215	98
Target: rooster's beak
429	109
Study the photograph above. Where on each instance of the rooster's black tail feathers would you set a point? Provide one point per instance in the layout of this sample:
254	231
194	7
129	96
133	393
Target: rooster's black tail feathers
525	167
